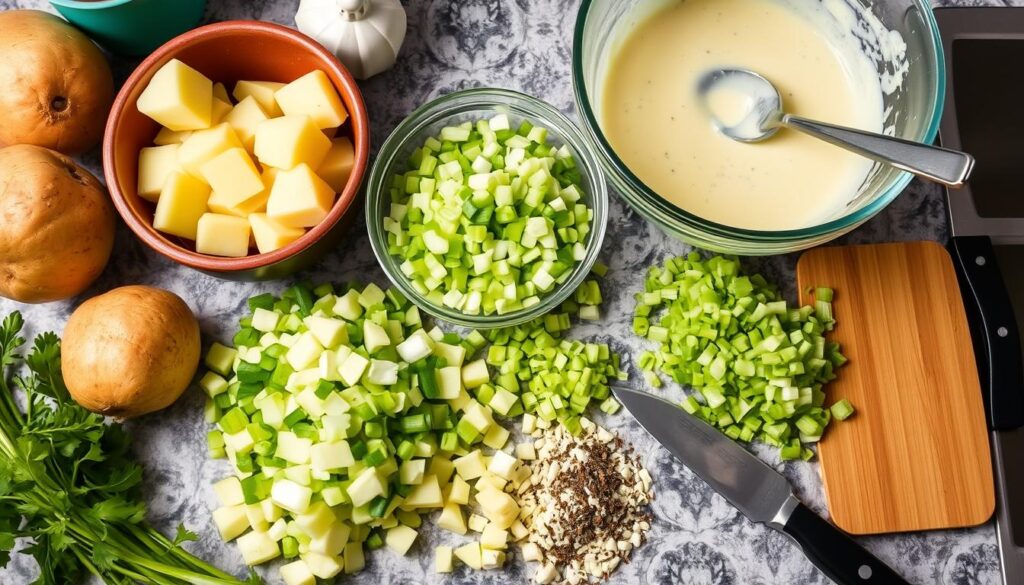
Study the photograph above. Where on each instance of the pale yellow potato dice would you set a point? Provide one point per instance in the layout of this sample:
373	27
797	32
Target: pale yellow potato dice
262	91
297	573
313	95
178	97
182	202
222	235
219	111
204	145
289	141
244	118
271	235
338	163
220	92
233	177
156	163
167	136
255	204
299	198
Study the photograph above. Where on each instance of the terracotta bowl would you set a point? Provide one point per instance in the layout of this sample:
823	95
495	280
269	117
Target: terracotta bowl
227	52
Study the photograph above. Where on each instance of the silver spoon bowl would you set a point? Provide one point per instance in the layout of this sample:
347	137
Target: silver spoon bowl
764	116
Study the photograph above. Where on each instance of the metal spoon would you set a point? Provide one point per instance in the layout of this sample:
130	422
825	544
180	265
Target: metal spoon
765	116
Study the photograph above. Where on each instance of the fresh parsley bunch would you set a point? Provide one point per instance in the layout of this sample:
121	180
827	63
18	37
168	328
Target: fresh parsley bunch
69	485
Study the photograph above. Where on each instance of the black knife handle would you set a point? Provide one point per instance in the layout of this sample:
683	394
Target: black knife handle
993	329
836	554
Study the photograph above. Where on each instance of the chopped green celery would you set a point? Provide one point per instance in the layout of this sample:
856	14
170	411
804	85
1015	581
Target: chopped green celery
732	338
842	410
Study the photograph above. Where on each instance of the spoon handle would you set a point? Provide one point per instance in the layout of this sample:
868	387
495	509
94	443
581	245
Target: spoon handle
942	165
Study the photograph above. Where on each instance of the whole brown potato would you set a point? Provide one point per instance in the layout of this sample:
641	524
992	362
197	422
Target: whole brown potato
131	351
56	225
57	85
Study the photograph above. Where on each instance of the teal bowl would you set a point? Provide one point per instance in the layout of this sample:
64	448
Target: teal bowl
132	28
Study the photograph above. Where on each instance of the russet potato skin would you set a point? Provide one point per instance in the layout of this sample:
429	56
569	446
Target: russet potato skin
57	85
131	351
56	225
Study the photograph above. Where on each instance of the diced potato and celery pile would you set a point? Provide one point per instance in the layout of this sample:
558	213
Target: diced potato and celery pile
346	420
228	175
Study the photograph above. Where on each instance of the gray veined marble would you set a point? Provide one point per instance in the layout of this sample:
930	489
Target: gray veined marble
697	538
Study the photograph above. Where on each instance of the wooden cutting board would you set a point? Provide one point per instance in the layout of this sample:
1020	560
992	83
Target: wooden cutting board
915	455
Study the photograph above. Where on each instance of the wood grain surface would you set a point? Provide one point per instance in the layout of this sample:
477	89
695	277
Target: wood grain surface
915	456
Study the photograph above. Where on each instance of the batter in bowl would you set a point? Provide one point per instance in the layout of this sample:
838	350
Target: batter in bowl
652	117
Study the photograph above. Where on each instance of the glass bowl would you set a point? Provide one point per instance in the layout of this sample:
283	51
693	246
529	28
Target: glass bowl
475	104
913	111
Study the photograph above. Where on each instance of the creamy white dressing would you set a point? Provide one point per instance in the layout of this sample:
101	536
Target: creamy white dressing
812	51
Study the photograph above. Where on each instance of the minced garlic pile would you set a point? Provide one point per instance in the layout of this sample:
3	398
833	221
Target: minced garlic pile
584	503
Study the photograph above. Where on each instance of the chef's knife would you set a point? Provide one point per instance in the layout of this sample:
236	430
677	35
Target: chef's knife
760	492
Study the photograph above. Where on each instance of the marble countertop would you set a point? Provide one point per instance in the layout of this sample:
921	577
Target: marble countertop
697	537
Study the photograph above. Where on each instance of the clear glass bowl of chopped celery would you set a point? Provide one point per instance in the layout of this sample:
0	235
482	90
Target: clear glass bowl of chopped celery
565	258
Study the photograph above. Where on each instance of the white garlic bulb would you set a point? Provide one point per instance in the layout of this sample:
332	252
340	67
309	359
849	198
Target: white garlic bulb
365	35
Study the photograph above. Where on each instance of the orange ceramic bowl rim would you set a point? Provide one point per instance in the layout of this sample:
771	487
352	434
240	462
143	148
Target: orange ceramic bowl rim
143	228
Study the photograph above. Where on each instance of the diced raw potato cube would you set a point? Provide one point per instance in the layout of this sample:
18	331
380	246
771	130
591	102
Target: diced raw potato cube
219	111
382	372
293	448
443	562
220	357
297	573
529	423
262	92
178	97
317	520
156	163
329	332
352	368
233	177
489	480
278	530
470	554
416	347
222	235
300	474
477	523
493	537
519	530
305	352
167	136
374	337
337	165
491	559
449	382
313	95
229	491
290	495
459	493
332	541
244	118
498	506
475	414
526	451
471	465
366	486
270	234
531	552
289	141
441	467
220	92
400	539
299	198
475	374
323	566
231	521
451	519
411	471
213	384
496	437
203	145
182	202
264	320
331	456
347	306
354	559
502	464
453	354
257	548
425	495
254	513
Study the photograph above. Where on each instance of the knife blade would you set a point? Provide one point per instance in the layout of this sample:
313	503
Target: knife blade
758	491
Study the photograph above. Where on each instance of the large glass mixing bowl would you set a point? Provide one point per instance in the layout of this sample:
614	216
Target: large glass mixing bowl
913	112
